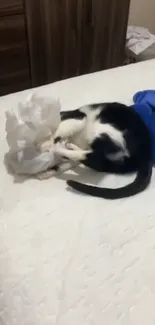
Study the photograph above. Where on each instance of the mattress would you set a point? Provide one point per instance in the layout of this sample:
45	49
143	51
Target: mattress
67	258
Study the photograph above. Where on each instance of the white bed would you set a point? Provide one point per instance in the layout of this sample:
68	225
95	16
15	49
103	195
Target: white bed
67	258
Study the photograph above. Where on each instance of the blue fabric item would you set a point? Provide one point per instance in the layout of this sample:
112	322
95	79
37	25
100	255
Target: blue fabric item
144	105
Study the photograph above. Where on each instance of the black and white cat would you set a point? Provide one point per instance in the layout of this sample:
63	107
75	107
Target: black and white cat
108	137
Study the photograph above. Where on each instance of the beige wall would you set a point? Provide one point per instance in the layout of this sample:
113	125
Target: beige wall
142	13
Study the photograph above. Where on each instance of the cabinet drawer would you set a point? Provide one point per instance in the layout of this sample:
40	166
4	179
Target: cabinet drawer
14	59
16	82
9	7
12	31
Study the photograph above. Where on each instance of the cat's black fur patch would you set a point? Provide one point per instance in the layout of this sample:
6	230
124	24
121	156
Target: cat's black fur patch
75	114
57	139
56	168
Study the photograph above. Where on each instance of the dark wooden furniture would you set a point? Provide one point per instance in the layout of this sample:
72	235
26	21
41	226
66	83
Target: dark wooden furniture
14	54
47	40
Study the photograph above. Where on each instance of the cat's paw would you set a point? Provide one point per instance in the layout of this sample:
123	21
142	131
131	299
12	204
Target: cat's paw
71	146
45	146
46	175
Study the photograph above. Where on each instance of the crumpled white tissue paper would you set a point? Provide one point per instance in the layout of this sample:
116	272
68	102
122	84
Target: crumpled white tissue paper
27	125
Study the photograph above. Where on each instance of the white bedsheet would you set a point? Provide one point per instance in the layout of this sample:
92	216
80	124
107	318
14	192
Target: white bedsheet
66	258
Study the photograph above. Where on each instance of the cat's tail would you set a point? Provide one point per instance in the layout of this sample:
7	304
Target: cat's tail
140	183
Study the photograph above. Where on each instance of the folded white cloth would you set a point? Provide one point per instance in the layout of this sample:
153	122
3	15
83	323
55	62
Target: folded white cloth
138	39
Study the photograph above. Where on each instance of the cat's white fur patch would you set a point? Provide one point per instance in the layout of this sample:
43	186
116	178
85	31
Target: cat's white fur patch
70	127
82	132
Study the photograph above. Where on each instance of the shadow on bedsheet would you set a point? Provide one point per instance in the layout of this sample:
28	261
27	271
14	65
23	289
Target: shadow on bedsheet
80	174
84	175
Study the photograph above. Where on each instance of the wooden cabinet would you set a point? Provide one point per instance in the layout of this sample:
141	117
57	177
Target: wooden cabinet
48	40
15	73
14	55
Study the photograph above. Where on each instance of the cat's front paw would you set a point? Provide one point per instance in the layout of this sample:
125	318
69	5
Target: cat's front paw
71	146
45	146
46	175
